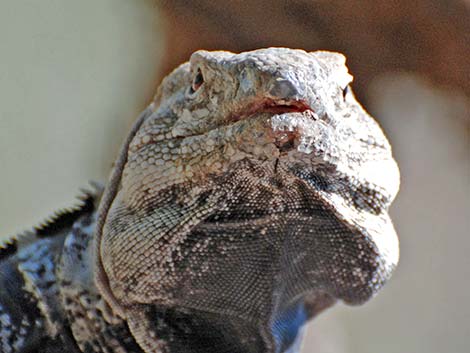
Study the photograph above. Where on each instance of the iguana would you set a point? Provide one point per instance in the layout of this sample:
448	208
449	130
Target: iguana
249	196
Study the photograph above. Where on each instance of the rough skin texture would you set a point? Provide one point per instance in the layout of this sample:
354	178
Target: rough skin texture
249	196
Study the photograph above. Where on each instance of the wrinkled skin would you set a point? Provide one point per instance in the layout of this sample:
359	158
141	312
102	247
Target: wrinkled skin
252	194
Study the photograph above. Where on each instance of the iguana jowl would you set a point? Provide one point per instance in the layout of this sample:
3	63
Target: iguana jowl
249	196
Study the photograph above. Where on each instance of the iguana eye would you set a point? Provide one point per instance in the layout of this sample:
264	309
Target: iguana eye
197	82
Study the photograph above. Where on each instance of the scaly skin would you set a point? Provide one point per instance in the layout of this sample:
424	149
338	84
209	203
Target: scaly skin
249	196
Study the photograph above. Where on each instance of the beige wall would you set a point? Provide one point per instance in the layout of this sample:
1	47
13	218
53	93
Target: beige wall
72	76
74	73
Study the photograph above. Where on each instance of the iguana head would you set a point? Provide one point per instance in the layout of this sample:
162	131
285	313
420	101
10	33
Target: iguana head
255	170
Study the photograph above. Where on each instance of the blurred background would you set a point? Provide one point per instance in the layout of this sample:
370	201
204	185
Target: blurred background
74	75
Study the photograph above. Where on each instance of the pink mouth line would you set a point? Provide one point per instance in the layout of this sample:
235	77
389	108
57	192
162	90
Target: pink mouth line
269	105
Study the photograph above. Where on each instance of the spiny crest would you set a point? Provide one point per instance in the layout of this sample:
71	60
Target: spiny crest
60	220
8	247
88	200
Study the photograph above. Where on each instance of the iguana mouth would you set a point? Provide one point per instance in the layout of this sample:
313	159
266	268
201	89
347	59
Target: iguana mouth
285	140
269	105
